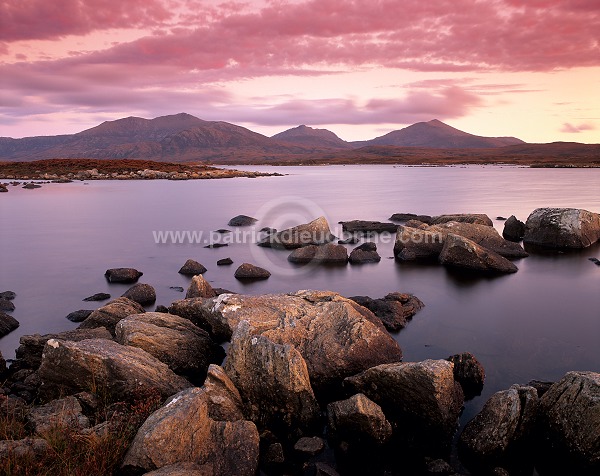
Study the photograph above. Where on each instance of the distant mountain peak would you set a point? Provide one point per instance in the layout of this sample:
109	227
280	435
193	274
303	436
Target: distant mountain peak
311	137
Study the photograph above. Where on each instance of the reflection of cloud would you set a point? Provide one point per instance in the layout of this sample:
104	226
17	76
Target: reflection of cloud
574	129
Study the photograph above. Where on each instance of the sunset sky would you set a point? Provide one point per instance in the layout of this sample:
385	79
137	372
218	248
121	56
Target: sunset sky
360	68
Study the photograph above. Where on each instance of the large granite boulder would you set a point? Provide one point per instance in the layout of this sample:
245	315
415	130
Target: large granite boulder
501	432
394	310
119	372
108	315
417	396
328	253
316	232
122	275
200	287
476	218
365	226
183	346
514	229
485	236
143	294
358	420
335	336
460	252
562	228
570	412
273	381
416	244
31	347
200	426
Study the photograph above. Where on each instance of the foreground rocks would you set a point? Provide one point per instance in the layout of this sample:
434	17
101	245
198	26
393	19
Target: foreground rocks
200	287
108	315
460	252
329	253
562	228
316	232
143	294
469	372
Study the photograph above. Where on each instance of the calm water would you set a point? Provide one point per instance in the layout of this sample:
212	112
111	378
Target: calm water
57	241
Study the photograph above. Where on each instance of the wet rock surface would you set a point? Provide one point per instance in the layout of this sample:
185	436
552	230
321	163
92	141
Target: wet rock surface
122	275
562	228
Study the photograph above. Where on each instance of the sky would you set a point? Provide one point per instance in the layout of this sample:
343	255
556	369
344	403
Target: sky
360	68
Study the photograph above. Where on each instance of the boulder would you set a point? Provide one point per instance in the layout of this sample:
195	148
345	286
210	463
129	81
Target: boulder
250	271
460	252
184	431
200	287
184	469
79	316
309	446
242	220
363	226
63	413
7	323
200	312
358	420
143	294
316	232
184	347
122	275
98	297
27	448
273	381
9	295
192	268
328	253
161	308
501	431
29	352
6	305
108	315
570	412
106	368
476	218
335	336
418	396
365	253
485	236
562	228
416	244
514	230
3	188
224	262
469	373
411	216
394	310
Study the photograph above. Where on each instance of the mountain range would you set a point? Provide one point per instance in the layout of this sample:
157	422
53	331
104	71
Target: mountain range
185	138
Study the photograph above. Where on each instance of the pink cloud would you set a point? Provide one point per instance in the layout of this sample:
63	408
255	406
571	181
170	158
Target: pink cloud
569	128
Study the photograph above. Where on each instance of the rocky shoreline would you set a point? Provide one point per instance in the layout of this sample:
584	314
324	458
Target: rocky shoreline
306	383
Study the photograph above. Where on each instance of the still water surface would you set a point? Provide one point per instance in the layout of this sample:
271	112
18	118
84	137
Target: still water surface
57	241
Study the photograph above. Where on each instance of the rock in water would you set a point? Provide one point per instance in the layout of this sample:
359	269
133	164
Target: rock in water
501	431
143	294
250	271
316	232
111	313
273	380
242	220
562	228
192	268
107	368
224	262
184	347
365	253
9	295
514	230
570	414
79	316
98	297
362	226
394	310
6	305
328	253
476	218
7	324
463	253
200	287
469	373
411	216
415	244
122	275
358	420
191	428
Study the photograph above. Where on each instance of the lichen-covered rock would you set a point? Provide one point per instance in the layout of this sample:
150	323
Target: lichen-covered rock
104	367
108	315
358	420
328	253
570	412
184	430
562	228
200	287
143	294
183	346
273	381
316	232
460	252
501	431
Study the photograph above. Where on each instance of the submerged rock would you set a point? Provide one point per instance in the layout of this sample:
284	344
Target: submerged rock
242	220
6	305
7	324
328	253
411	216
394	310
316	232
250	271
80	315
192	268
122	275
224	262
363	226
365	253
460	252
97	297
562	228
469	373
9	295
